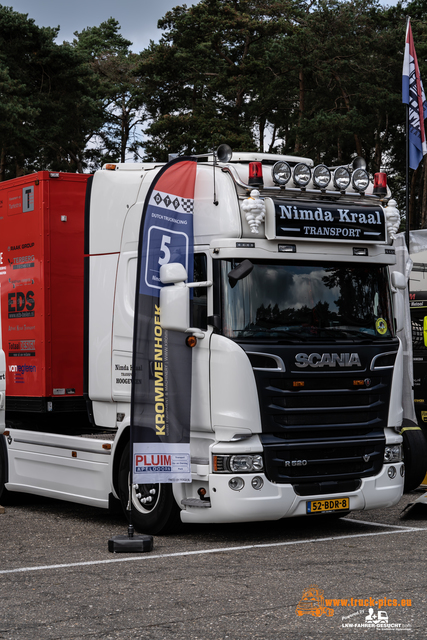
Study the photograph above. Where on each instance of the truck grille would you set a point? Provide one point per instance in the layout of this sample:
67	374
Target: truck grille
325	425
314	461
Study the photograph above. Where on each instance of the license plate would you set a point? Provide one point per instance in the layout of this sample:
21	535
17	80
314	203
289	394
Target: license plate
331	504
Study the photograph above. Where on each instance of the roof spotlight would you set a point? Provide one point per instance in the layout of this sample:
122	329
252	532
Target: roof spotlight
281	173
360	179
341	178
302	175
321	176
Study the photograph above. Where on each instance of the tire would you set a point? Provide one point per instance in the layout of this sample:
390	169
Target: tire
161	515
4	493
415	458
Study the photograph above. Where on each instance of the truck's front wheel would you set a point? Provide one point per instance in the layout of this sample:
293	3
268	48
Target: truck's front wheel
415	457
154	509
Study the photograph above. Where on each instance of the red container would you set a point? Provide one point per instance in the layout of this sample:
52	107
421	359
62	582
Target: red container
41	277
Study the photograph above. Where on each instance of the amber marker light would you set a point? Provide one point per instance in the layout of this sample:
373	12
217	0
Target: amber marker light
298	383
358	383
107	446
191	341
110	167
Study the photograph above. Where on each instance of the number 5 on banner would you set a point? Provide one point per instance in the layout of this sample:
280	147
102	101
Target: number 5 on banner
165	250
162	247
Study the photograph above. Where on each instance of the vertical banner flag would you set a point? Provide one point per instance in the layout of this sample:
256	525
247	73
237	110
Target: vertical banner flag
413	95
161	369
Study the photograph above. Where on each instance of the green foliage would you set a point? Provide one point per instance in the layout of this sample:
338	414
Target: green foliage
320	78
117	91
45	106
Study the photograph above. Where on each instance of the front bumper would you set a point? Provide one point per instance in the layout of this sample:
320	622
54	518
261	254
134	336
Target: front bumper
277	501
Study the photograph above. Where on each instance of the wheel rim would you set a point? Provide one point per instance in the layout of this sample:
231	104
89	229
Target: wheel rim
145	497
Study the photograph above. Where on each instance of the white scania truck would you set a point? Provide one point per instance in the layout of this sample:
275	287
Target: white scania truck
296	399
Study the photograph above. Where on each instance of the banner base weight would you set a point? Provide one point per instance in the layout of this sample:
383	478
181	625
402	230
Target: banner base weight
134	544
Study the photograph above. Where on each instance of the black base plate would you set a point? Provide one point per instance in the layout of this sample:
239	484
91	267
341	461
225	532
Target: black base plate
135	544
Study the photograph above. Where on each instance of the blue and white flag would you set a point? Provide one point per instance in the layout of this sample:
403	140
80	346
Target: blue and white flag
161	368
413	95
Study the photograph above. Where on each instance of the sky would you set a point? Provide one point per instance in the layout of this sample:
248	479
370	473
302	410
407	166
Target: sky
137	18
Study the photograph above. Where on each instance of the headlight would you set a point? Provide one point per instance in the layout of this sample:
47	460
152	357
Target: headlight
246	463
360	180
281	173
321	176
393	453
341	178
302	174
238	463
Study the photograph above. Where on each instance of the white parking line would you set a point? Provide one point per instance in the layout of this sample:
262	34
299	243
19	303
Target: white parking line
220	549
381	524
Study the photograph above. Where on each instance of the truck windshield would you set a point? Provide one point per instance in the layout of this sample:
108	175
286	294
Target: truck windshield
307	302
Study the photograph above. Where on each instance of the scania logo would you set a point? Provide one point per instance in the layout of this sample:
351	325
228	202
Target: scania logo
317	360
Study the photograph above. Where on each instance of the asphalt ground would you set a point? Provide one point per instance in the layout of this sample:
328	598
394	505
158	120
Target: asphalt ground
236	582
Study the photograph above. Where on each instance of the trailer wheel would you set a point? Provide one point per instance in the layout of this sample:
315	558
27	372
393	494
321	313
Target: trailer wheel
154	509
415	458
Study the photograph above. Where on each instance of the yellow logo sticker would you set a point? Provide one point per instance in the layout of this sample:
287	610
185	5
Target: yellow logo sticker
381	326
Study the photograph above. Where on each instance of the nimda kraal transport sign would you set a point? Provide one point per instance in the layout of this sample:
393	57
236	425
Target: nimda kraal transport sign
325	221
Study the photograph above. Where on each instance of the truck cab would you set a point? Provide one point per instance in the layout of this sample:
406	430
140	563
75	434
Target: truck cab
296	398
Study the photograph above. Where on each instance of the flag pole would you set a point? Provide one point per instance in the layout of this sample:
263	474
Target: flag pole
407	179
407	165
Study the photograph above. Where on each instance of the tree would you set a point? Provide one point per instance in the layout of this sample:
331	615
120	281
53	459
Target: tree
118	89
203	81
346	56
46	104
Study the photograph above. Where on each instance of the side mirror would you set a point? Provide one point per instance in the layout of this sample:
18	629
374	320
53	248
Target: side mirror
173	273
174	300
398	286
398	280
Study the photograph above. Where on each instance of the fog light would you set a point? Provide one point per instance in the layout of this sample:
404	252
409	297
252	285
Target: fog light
236	484
391	472
341	178
302	175
321	176
281	173
257	483
360	180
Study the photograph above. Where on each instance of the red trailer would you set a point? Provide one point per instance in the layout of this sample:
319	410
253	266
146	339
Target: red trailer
42	282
